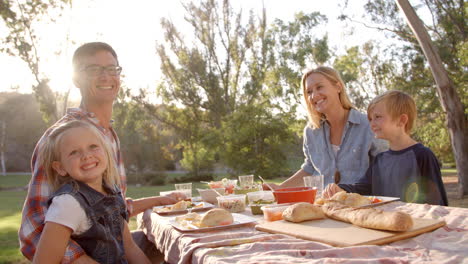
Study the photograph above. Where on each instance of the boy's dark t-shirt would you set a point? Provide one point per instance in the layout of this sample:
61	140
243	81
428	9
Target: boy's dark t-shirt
413	174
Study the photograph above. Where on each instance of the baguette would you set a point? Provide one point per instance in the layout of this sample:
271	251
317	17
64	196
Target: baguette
301	212
368	217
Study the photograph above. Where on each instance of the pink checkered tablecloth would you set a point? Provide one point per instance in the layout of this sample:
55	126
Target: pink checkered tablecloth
244	244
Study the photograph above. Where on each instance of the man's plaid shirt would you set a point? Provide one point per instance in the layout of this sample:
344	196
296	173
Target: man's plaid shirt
35	206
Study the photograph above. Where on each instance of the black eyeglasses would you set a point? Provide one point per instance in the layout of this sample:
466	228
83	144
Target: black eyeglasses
94	70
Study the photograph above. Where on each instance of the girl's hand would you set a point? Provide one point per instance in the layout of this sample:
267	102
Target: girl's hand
178	196
172	198
330	190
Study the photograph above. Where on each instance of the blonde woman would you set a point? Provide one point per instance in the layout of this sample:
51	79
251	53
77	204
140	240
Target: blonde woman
338	141
87	204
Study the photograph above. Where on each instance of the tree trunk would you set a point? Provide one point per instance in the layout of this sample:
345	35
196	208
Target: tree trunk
456	120
2	147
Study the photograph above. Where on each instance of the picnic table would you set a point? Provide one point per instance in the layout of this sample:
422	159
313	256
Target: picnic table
245	244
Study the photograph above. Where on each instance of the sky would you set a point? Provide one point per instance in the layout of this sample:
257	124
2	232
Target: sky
133	28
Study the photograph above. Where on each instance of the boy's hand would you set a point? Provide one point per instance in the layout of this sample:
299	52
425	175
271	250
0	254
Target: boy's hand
330	190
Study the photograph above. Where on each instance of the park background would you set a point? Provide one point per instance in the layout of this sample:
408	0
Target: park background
213	90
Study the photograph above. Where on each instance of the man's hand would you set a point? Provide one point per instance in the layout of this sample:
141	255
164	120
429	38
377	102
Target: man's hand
330	190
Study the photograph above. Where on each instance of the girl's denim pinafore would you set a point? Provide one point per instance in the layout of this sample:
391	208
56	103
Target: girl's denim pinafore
103	240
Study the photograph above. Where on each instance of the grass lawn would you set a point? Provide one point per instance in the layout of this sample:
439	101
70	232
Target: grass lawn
12	196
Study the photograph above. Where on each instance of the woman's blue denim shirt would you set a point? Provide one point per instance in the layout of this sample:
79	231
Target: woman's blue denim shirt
358	148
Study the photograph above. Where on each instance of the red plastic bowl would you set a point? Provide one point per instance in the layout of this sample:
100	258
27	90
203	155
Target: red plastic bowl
295	195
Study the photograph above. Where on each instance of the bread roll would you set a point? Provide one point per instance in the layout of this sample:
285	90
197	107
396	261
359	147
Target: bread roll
302	212
368	217
216	217
181	205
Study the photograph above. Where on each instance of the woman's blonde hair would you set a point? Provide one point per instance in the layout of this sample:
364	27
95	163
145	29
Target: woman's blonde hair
334	77
50	153
396	104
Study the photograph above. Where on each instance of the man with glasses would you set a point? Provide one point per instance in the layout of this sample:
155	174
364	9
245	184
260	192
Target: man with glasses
97	75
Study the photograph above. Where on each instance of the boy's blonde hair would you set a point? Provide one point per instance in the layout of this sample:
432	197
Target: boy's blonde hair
50	153
334	77
396	104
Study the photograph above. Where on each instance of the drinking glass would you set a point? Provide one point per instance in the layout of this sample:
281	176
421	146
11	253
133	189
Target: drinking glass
314	181
186	188
246	180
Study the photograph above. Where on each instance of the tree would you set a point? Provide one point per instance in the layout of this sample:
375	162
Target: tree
207	82
296	46
22	42
411	72
145	145
23	127
257	148
448	96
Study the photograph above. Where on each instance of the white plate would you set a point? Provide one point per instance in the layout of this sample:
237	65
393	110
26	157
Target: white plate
385	199
159	209
239	219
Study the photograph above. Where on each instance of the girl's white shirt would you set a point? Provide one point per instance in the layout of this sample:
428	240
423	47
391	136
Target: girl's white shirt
66	210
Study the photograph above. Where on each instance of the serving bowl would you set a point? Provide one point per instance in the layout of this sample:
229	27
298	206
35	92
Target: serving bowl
295	195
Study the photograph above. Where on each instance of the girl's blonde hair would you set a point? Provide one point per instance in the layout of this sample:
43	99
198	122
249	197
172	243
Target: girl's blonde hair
50	153
334	77
396	104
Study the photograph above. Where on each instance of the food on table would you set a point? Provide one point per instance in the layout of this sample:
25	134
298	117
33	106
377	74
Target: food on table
351	199
368	217
225	183
232	203
216	217
255	206
375	200
188	217
319	201
259	199
274	212
215	184
301	212
273	216
179	206
182	205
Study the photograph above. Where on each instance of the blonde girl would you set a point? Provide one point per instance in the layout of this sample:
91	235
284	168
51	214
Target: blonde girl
87	204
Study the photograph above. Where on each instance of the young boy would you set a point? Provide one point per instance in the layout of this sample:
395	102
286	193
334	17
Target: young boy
408	170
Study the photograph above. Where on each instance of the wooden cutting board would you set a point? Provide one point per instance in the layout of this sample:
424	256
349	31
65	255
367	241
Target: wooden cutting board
341	234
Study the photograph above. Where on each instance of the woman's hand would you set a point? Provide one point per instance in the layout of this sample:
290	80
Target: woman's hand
330	190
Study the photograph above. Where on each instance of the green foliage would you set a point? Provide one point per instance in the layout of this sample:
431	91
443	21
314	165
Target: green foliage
21	41
192	177
24	127
210	82
256	142
296	46
145	144
154	178
408	70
